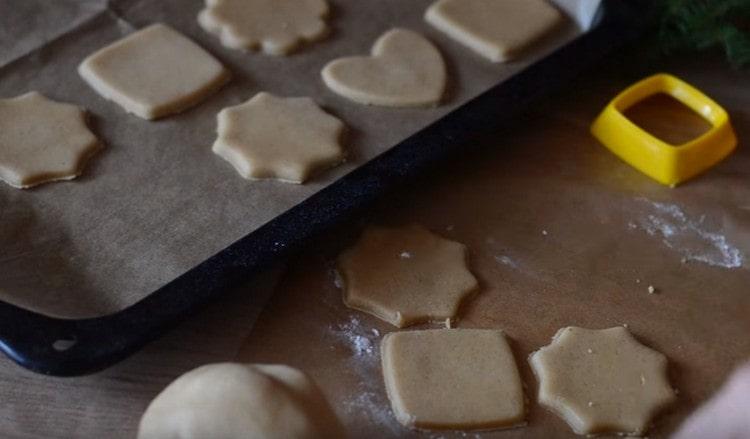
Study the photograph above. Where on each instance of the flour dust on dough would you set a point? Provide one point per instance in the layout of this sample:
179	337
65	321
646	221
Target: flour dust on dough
277	27
240	401
154	72
602	381
404	70
42	140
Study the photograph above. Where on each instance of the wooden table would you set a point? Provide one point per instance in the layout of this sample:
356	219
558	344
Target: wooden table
561	233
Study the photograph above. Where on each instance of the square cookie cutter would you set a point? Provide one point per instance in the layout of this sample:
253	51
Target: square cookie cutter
666	163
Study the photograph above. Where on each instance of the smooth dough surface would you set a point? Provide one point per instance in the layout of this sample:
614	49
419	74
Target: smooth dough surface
276	26
452	379
406	275
496	29
240	401
403	70
42	140
602	381
283	138
154	72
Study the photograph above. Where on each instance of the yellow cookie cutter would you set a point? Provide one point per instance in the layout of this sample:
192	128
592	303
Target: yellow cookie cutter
665	163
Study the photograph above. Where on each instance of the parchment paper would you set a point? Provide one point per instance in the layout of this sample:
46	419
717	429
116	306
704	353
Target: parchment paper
156	201
560	232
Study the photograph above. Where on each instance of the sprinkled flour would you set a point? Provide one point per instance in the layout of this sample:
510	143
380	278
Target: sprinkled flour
689	237
505	260
368	400
360	340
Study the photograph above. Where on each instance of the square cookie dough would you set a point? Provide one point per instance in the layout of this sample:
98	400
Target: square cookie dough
463	379
154	72
496	29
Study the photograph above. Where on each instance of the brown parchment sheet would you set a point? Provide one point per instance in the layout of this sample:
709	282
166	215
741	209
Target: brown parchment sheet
560	233
156	201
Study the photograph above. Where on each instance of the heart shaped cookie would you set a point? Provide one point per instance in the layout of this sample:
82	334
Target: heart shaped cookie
403	70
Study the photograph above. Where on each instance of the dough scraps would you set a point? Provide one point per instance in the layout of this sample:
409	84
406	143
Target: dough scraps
406	275
602	381
240	401
282	138
452	379
276	26
495	29
154	72
42	140
404	70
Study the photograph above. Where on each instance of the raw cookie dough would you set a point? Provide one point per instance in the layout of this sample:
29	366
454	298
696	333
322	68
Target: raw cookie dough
406	275
42	140
240	401
404	70
154	72
283	138
277	26
495	29
601	381
452	379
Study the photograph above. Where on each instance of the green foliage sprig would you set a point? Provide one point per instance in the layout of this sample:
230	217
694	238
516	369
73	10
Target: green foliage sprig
687	25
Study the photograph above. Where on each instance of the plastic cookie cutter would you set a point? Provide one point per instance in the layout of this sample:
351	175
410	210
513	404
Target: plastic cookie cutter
666	163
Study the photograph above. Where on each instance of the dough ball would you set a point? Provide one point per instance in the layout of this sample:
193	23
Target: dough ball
242	401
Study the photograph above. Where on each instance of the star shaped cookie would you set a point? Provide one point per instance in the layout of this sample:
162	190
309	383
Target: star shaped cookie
275	26
42	140
406	275
286	139
602	381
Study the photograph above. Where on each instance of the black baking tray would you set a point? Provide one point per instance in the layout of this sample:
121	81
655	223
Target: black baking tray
67	347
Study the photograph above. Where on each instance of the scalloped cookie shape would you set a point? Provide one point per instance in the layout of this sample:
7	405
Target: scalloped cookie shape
404	70
463	379
276	26
406	275
602	381
287	139
495	29
42	140
154	72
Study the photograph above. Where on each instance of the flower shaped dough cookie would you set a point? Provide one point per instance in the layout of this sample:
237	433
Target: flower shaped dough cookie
406	275
404	70
601	381
283	138
276	26
42	140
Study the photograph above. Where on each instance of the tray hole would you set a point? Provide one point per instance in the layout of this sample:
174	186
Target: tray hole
668	119
63	344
